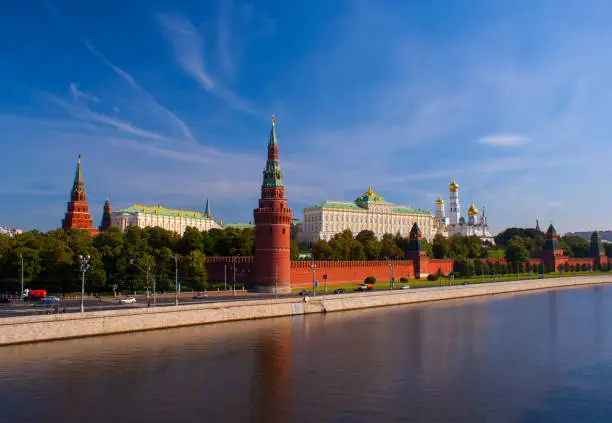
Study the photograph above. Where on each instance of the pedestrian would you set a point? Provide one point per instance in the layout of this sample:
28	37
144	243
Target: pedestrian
148	303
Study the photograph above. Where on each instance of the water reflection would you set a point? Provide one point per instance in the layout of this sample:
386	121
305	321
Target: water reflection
497	359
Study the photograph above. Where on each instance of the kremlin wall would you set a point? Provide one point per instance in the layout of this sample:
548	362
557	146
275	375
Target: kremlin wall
271	269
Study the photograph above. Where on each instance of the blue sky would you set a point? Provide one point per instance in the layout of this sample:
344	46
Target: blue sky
170	102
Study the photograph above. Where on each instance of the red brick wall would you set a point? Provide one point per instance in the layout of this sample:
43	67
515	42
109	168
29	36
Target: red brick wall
442	266
341	272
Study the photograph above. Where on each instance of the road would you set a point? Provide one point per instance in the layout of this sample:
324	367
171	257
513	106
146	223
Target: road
73	305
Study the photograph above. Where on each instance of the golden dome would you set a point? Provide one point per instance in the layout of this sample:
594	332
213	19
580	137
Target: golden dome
472	211
369	192
454	186
439	200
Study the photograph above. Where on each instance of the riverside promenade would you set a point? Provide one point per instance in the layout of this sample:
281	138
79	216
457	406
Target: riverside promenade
16	330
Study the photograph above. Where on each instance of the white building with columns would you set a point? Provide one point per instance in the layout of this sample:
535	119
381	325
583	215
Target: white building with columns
367	212
455	224
169	219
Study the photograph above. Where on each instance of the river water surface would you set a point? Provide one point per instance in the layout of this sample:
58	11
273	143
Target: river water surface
539	357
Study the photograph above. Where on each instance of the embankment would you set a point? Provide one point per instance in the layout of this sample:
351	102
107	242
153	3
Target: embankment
15	330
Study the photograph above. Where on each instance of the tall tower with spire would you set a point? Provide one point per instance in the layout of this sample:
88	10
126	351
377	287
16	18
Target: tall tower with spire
454	205
272	227
106	217
207	211
77	216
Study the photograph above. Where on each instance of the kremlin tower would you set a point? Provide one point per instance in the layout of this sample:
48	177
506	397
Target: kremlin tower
272	227
106	217
77	215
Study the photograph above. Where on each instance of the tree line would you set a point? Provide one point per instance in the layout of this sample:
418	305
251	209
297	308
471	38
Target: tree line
123	259
117	259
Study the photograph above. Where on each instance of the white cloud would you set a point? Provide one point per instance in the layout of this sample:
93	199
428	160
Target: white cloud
504	140
145	96
188	48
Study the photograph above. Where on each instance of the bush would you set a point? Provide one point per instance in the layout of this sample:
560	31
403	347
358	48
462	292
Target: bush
566	267
370	280
432	277
403	280
583	267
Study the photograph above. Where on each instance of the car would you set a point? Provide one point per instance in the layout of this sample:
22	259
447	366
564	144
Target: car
48	302
200	297
127	300
304	293
405	287
364	287
339	291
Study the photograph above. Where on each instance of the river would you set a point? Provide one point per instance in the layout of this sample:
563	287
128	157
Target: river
531	357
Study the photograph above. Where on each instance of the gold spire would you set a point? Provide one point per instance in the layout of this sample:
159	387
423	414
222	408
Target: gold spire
454	186
369	192
273	118
439	200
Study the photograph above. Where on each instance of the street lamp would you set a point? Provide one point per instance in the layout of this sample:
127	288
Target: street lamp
314	267
146	271
21	257
391	282
234	266
175	280
84	262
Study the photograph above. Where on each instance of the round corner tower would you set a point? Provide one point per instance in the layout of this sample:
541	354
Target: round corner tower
272	227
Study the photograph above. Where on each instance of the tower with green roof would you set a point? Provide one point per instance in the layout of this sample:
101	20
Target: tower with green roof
597	250
106	216
552	253
272	266
416	252
77	215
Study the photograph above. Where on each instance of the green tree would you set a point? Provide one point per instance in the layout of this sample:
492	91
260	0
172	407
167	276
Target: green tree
441	247
295	250
516	252
321	250
195	270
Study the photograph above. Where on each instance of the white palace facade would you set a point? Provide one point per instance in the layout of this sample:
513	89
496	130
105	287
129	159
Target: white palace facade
454	224
169	219
368	212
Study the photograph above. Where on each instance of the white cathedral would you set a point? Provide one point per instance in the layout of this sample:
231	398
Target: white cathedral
455	224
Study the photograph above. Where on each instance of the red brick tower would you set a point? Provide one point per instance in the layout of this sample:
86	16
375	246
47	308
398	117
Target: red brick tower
417	254
77	216
552	253
272	227
106	217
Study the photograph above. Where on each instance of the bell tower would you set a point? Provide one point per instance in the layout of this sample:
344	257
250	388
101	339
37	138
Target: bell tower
272	267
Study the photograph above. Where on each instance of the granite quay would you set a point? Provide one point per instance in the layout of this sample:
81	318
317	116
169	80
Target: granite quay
15	330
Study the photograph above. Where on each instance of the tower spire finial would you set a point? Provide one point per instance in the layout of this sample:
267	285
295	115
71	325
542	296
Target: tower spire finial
207	211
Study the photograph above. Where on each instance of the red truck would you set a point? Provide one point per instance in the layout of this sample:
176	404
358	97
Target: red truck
37	294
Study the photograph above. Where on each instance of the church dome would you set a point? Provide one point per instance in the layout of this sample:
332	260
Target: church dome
439	200
454	186
472	211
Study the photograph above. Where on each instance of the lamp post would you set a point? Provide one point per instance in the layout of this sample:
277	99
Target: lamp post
392	281
84	262
175	280
276	281
225	277
234	266
146	272
21	257
314	267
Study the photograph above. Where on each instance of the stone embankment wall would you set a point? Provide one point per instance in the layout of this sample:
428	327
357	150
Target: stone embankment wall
15	330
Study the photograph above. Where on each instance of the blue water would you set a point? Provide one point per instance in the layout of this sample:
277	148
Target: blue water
537	357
